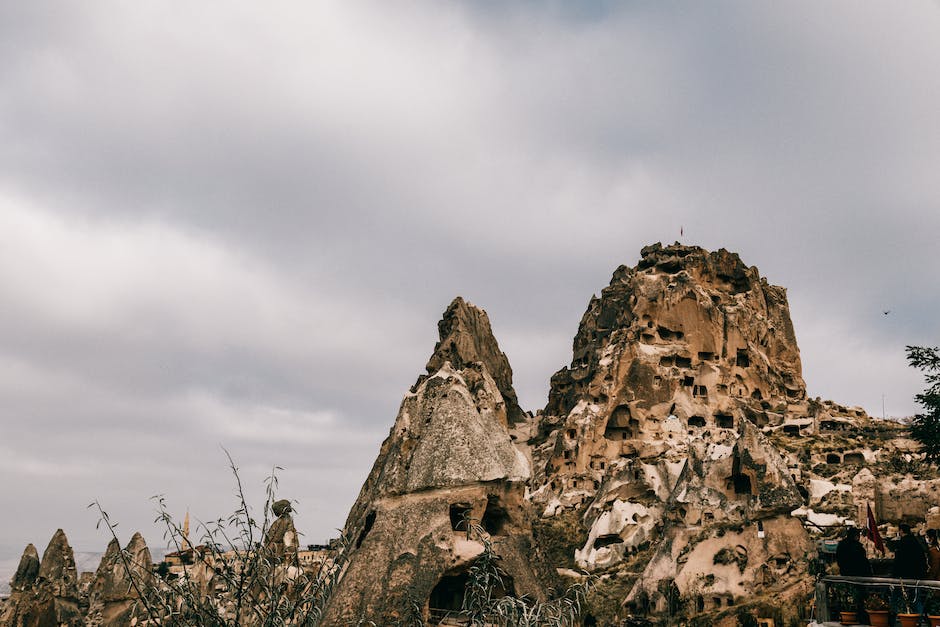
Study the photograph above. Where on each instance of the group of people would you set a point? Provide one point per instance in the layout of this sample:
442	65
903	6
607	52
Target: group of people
915	557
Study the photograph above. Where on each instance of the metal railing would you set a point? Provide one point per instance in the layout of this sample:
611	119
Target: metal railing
881	583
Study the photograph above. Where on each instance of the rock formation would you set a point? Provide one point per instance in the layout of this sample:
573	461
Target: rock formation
678	460
281	540
47	596
448	461
113	599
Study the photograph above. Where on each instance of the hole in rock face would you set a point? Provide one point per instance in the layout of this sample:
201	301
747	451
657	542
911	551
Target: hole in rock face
708	517
724	421
495	518
833	458
700	391
688	381
683	362
856	459
607	540
696	421
740	481
706	355
370	520
667	361
459	516
668	334
447	596
791	429
742	359
572	433
756	395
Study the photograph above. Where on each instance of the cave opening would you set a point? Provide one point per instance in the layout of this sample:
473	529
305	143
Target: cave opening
460	516
495	518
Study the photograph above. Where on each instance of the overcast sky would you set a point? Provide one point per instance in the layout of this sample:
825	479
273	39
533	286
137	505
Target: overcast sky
237	224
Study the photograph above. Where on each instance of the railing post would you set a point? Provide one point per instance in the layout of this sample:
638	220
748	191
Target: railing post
822	602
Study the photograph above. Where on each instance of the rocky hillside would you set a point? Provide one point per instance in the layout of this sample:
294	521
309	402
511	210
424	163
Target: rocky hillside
678	464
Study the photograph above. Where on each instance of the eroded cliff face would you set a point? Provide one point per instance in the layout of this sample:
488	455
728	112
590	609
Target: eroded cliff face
653	434
448	459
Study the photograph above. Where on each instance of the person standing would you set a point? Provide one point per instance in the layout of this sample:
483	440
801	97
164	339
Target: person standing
910	561
933	555
851	557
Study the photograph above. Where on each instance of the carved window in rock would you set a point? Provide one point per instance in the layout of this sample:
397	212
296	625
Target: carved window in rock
446	598
696	421
742	359
791	429
495	518
460	516
855	459
621	425
739	481
833	458
724	421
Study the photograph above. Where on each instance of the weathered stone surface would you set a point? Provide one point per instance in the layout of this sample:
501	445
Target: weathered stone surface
448	459
114	600
28	569
51	599
466	338
281	540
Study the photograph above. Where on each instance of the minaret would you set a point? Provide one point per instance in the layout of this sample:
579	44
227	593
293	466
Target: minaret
186	545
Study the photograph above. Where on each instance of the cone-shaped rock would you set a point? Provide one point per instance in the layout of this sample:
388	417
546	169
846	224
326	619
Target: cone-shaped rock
28	569
51	598
57	568
113	600
449	458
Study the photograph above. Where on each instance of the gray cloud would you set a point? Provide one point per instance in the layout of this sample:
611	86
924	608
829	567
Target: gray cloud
240	226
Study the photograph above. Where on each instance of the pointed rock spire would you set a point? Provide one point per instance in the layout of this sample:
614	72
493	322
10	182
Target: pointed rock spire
58	566
28	569
466	337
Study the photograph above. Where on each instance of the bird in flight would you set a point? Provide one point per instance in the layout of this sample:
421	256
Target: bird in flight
886	312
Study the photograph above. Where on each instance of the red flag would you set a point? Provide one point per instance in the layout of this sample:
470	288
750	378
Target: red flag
873	534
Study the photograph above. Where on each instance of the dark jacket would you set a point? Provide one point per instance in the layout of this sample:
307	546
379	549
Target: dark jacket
910	561
850	555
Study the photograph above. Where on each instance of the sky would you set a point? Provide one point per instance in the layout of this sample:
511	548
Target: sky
234	226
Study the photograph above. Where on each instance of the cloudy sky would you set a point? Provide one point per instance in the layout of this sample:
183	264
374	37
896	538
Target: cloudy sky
237	224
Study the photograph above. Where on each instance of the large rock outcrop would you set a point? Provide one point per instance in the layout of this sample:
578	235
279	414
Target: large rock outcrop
47	597
449	460
114	599
653	434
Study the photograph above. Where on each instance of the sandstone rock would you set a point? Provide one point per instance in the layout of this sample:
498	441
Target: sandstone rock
466	338
28	569
449	459
52	598
281	507
281	540
114	600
